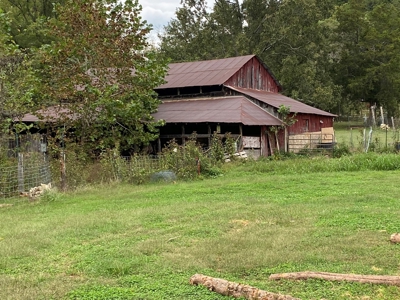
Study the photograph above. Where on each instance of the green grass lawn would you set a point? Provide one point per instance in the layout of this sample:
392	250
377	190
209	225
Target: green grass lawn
144	242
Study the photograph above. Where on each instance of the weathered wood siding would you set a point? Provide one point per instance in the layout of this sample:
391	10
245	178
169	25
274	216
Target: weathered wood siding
310	123
253	75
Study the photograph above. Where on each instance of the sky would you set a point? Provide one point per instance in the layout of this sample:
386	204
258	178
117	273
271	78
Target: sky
158	13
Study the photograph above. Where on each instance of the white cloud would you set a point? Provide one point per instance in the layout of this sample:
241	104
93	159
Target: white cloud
158	13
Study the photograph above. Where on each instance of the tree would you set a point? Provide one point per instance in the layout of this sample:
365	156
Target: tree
225	29
100	74
17	79
198	34
368	55
294	45
28	20
256	13
185	38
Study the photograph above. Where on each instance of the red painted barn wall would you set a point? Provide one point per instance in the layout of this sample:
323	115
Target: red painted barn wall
253	75
310	123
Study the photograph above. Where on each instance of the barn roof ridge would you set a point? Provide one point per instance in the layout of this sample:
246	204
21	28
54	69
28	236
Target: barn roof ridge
199	98
207	72
249	56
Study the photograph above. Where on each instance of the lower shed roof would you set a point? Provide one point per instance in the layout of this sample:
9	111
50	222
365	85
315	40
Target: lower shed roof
232	109
276	100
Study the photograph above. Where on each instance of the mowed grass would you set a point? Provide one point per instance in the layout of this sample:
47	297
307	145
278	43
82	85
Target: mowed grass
144	242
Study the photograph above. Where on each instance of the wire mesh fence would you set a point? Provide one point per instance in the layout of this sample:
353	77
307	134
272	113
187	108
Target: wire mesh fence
137	169
367	121
11	145
23	173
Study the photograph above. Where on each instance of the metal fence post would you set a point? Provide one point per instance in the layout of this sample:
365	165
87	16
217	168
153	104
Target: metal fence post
21	183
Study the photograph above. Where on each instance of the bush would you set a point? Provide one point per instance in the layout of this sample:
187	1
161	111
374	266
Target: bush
341	150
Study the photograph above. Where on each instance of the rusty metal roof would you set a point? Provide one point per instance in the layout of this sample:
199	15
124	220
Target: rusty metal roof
233	109
203	73
50	114
276	100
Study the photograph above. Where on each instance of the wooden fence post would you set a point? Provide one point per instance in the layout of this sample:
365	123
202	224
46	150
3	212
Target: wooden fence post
63	181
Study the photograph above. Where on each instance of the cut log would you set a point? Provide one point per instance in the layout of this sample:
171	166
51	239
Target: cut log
395	238
376	279
237	290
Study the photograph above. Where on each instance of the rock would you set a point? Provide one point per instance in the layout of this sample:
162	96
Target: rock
38	190
167	176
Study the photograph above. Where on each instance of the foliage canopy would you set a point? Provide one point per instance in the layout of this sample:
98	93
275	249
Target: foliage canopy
331	54
97	74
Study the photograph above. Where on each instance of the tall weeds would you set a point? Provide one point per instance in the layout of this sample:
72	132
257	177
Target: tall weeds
300	165
187	162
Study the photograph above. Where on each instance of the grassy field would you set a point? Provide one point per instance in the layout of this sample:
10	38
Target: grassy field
144	242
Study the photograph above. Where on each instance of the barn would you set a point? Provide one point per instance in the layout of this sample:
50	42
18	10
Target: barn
239	96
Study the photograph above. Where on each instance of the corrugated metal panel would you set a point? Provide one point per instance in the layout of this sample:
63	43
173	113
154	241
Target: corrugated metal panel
203	73
235	109
276	100
254	75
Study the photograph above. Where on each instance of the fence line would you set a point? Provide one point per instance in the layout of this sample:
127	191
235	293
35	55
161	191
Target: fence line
129	168
22	174
26	143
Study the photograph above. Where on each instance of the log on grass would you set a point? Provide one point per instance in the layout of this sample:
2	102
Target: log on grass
237	290
395	238
376	279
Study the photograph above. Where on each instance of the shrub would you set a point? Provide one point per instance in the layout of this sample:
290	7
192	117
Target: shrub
341	150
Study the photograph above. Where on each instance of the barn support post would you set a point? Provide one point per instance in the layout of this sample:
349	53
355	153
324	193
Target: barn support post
183	135
270	143
286	140
241	137
159	144
209	135
264	147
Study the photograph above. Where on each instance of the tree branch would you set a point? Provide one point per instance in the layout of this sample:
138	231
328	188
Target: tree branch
236	290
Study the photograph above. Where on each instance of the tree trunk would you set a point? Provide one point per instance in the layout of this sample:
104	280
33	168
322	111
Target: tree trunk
377	279
237	290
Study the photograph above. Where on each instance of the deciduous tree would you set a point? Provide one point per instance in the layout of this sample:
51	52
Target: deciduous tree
17	78
367	34
100	72
29	19
186	37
